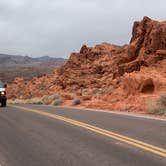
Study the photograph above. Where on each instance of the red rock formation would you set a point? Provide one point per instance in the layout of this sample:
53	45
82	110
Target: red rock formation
124	77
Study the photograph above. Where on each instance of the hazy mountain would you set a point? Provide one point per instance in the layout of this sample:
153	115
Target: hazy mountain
6	59
49	59
12	66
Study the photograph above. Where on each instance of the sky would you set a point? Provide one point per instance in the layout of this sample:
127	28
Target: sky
58	27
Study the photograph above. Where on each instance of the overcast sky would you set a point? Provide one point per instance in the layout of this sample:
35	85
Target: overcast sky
59	27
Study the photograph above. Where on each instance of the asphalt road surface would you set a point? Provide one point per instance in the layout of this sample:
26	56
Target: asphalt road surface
57	136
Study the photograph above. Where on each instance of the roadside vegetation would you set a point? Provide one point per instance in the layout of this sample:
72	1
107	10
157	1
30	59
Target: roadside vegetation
76	101
159	107
55	99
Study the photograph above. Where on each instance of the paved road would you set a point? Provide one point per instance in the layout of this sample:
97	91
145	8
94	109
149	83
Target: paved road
29	138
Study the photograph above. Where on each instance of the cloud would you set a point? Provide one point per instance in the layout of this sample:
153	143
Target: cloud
57	28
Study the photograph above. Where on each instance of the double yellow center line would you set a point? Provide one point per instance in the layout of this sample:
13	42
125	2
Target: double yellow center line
139	144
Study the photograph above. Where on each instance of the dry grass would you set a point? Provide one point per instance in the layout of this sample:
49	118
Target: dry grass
17	101
55	99
159	107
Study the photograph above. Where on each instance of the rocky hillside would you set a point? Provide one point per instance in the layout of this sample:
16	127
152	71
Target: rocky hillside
108	76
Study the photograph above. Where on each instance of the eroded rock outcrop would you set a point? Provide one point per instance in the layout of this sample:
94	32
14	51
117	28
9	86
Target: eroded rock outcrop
114	74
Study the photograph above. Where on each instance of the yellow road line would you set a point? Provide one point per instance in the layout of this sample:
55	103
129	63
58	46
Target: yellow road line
147	147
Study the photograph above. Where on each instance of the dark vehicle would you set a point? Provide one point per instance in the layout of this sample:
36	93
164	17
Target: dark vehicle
3	98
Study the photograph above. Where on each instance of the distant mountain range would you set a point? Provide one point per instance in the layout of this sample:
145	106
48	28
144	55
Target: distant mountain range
12	66
6	59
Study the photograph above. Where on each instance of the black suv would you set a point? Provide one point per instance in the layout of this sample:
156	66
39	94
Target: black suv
3	98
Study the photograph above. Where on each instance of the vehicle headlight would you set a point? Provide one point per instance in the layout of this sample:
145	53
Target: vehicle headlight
2	93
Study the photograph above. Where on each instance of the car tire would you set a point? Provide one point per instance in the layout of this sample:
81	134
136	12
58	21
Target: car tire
3	103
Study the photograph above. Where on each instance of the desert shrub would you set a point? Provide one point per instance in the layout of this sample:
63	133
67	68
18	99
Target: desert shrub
86	92
27	101
97	93
45	99
58	101
16	101
35	100
42	86
49	99
54	97
162	100
19	101
76	101
159	107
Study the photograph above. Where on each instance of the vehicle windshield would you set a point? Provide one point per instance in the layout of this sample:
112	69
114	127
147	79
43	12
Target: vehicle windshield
1	85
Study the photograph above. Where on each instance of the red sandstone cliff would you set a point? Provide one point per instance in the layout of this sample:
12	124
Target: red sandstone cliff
116	77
